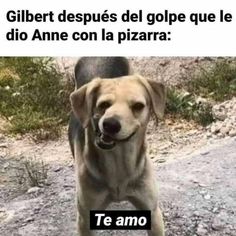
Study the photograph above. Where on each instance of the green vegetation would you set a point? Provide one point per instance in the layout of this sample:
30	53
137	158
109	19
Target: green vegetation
217	83
33	97
31	172
183	105
212	84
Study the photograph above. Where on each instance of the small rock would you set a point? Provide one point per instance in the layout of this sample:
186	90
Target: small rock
219	221
3	145
164	153
202	192
201	231
215	128
166	214
195	181
220	135
57	169
225	130
221	116
202	185
217	225
215	209
47	183
68	186
204	153
169	122
71	165
208	135
161	160
228	106
29	219
3	214
33	190
196	213
192	132
232	132
64	197
207	196
37	210
6	165
164	63
179	126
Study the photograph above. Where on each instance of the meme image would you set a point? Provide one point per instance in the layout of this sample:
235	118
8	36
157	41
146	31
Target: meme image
118	118
117	146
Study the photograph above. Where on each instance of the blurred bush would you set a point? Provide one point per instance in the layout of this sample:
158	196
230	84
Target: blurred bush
33	96
212	84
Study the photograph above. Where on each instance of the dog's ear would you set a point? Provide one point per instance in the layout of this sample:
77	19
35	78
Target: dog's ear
157	93
82	101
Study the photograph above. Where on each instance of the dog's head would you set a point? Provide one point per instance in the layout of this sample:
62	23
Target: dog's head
120	108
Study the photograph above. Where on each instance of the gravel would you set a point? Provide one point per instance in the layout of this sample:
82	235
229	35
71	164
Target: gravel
225	119
197	197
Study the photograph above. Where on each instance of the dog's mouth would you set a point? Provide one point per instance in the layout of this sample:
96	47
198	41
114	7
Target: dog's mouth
104	141
107	142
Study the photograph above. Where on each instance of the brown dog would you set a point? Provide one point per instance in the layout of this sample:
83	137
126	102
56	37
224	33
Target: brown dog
109	147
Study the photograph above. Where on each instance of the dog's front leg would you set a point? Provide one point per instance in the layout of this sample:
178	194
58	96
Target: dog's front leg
89	197
83	223
157	223
94	202
146	198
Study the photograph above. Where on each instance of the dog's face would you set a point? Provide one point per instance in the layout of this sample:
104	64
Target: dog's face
120	108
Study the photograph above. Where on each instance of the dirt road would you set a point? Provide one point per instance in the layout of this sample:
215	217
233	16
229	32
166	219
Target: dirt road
197	195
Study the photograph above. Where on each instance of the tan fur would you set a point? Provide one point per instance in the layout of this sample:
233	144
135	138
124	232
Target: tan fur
124	172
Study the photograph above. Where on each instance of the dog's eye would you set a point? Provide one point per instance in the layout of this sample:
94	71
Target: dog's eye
104	105
138	106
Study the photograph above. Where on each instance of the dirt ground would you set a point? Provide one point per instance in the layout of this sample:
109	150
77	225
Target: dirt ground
197	190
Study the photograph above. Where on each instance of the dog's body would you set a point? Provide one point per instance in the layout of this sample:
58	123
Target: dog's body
107	138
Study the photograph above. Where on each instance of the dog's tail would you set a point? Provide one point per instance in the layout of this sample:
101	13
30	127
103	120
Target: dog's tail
88	68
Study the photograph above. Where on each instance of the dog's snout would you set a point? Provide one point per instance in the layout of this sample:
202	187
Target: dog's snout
111	125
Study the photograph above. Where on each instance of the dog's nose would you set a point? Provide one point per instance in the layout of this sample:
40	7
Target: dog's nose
111	125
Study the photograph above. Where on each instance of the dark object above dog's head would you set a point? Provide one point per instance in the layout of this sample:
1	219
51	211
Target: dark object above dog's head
88	68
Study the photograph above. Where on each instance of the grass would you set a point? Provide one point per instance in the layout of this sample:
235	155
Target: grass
216	83
182	104
31	172
33	96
